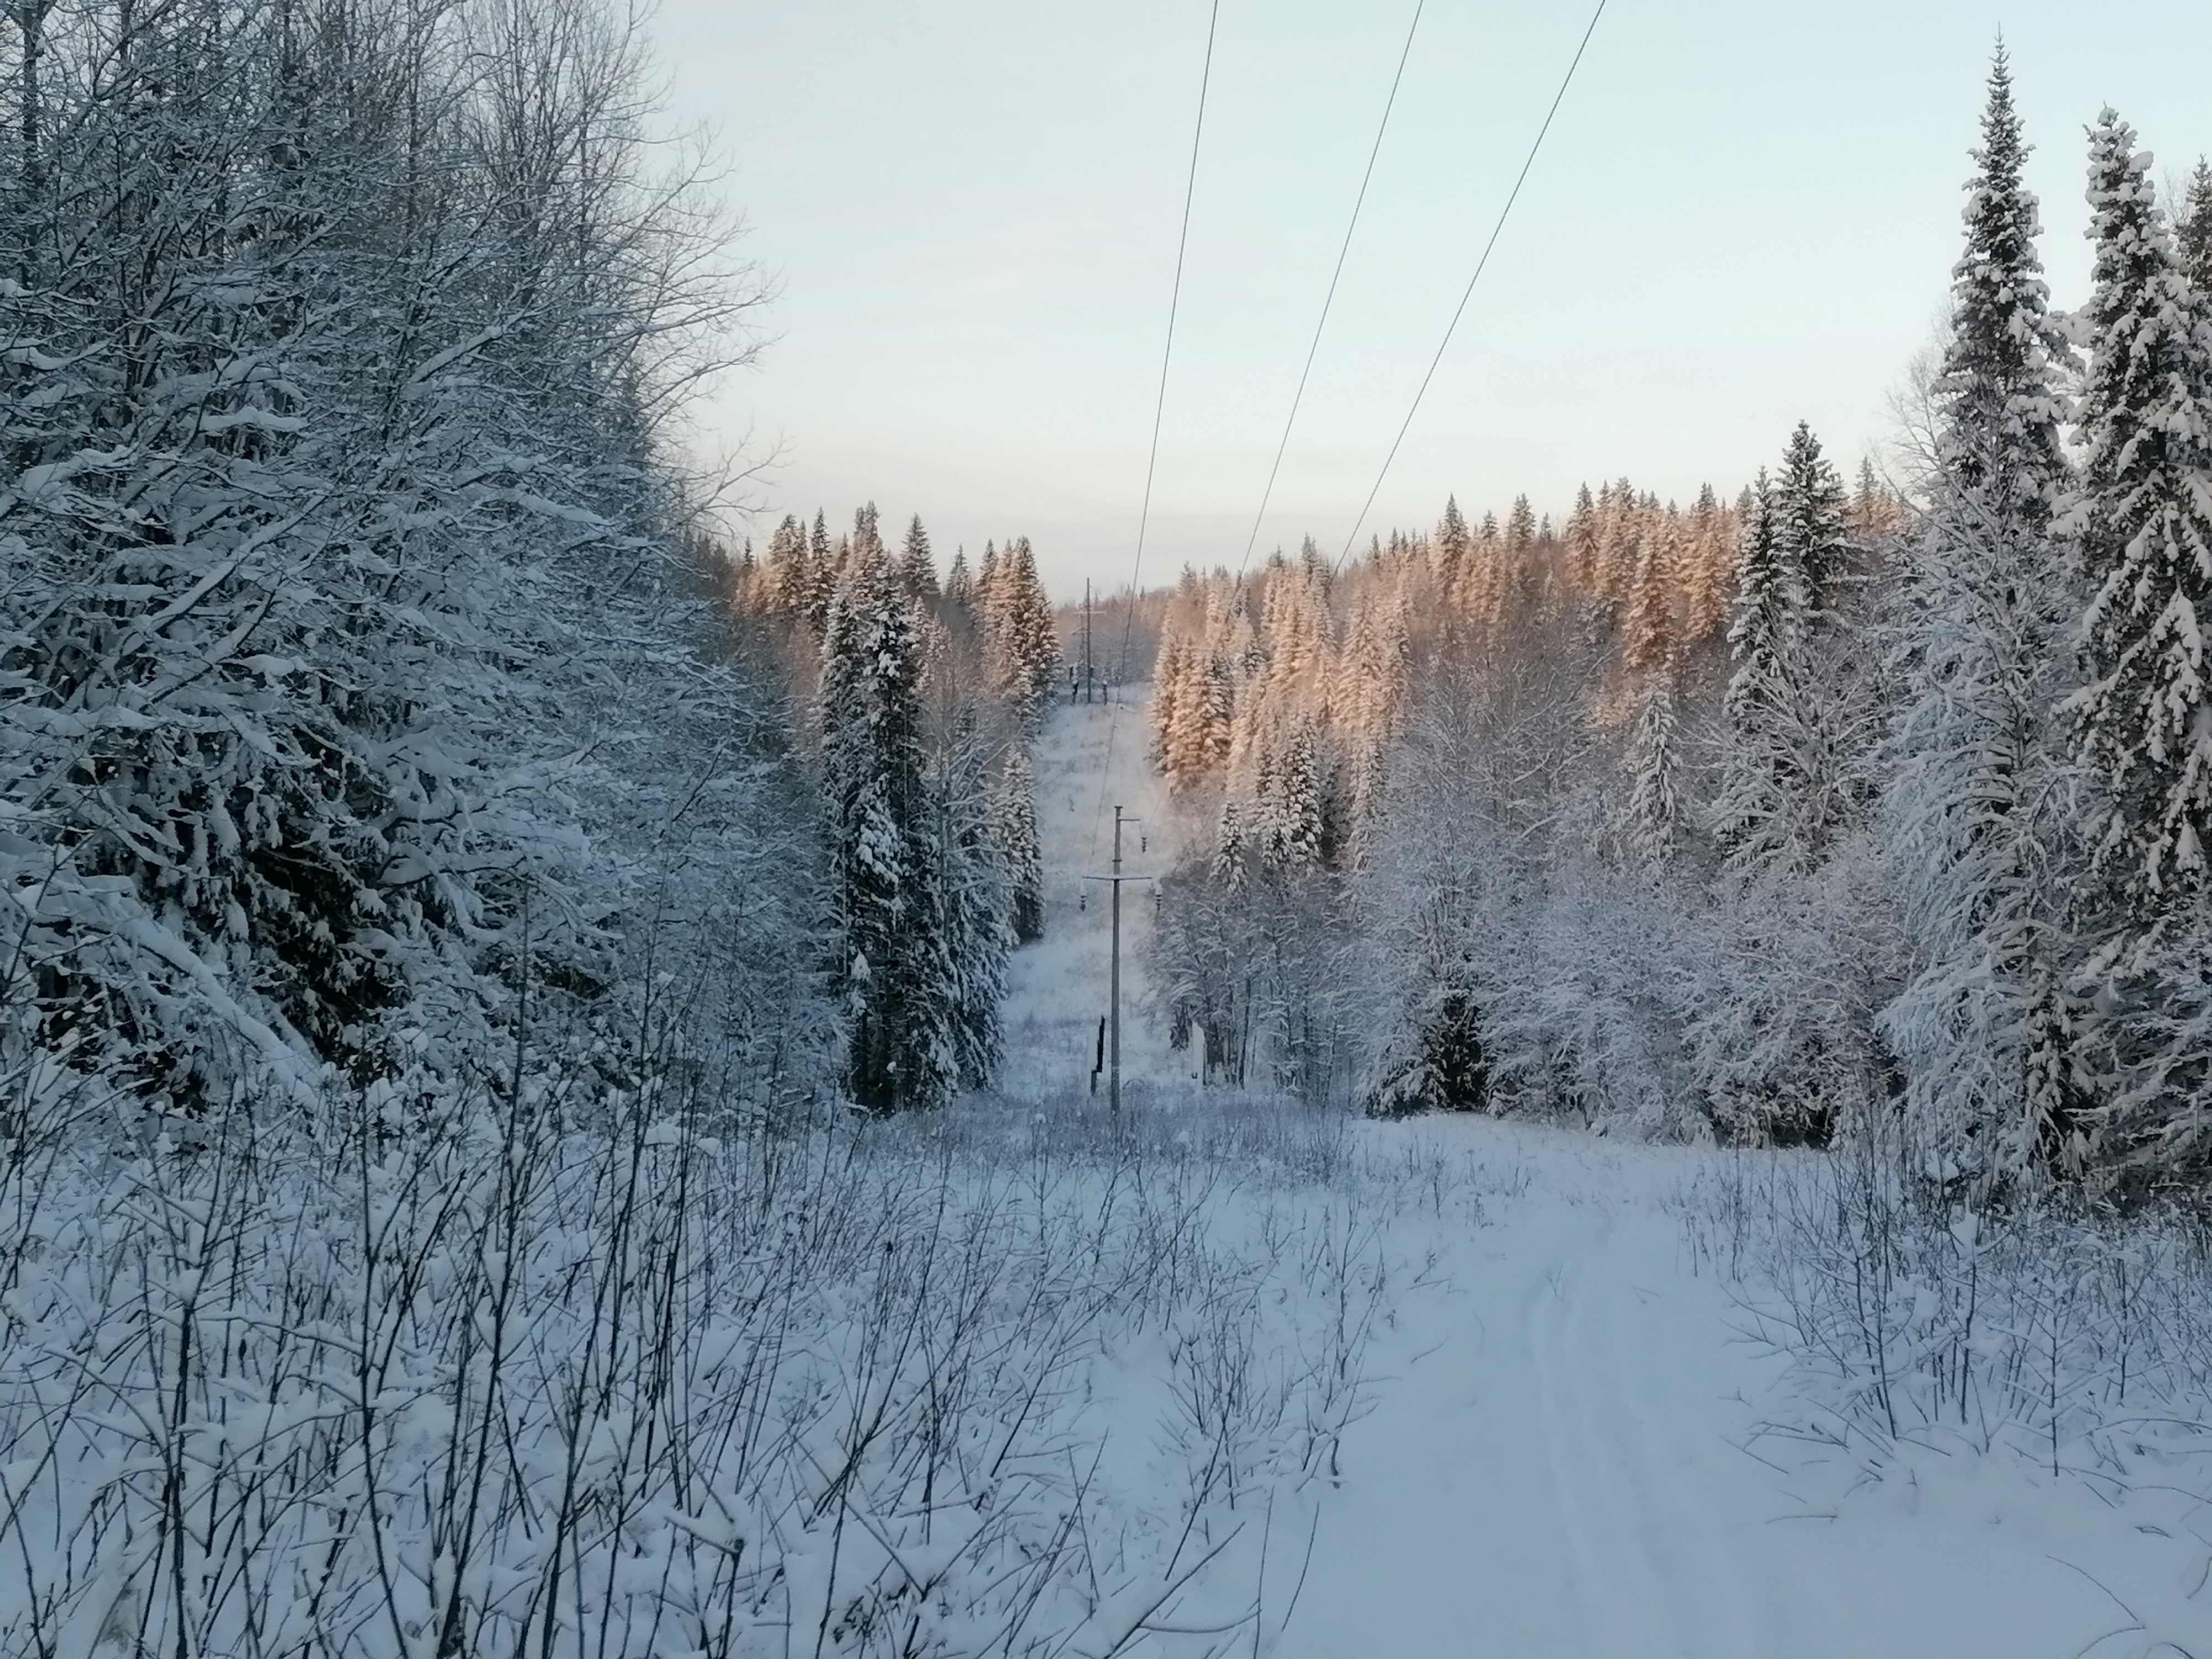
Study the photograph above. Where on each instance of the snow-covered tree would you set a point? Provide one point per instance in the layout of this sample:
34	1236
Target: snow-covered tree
1175	682
2142	522
1656	810
1797	707
790	581
1293	831
1976	845
1016	831
1709	568
2193	237
1453	545
1763	708
821	571
341	548
1813	528
1647	633
894	967
917	566
978	887
1023	643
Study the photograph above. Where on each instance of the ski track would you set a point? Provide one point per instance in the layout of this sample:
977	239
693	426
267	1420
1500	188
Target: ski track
1654	1575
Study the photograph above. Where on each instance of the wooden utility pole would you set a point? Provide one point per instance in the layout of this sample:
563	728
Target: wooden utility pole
1114	988
1087	675
1113	973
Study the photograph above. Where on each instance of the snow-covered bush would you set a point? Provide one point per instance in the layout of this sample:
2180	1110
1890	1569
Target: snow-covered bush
414	1373
2079	1342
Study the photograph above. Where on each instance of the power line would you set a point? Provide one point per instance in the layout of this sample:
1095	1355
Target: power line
1468	292
1159	410
1329	298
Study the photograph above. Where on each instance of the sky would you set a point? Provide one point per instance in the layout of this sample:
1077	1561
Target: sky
1745	215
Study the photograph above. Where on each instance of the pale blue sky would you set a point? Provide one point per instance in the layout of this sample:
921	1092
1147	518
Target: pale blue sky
1746	215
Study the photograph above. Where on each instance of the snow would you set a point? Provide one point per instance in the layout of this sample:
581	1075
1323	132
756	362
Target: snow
1561	1459
1224	1375
1090	757
1574	1444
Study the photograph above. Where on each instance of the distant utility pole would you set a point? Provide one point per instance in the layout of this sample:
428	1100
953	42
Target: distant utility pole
1114	978
1087	639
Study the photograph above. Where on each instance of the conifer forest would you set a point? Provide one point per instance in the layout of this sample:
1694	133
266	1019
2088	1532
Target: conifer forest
598	1061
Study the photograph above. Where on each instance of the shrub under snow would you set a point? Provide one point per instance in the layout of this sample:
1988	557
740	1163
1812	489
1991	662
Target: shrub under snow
441	1375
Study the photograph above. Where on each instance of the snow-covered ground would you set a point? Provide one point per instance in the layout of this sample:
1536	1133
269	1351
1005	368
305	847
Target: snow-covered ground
1561	1459
1092	758
1561	1453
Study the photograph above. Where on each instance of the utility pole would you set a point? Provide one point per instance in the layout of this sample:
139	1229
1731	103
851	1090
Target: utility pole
1114	983
1114	975
1087	639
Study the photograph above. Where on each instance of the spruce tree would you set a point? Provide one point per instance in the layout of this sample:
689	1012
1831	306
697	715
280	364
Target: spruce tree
1231	850
790	572
2193	244
1452	546
822	575
975	884
1582	539
1170	677
1521	528
1763	772
1813	520
1656	812
894	968
1970	830
1024	645
2142	521
1016	831
1647	643
1709	571
917	570
1294	831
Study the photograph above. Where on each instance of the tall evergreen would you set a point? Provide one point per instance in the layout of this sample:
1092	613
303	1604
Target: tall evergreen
1971	834
917	568
1767	645
2142	521
1582	542
1521	527
1708	568
2193	243
975	884
1454	543
1293	833
790	582
1647	637
1024	644
1812	520
1656	807
1017	832
894	966
1173	682
822	575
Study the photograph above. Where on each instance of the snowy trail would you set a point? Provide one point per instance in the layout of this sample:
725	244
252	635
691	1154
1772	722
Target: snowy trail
1057	988
1559	1460
1554	1466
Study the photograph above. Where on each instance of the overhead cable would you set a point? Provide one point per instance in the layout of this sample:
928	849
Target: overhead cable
1513	196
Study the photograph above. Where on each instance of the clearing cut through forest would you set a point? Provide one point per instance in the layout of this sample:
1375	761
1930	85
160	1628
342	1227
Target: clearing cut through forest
1572	1442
